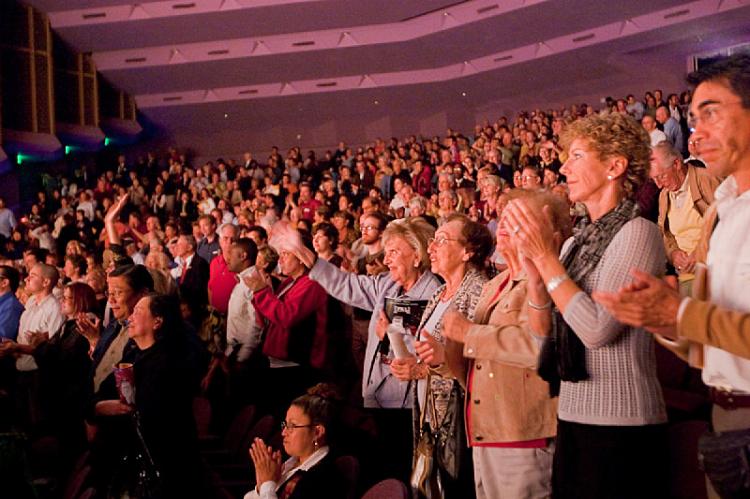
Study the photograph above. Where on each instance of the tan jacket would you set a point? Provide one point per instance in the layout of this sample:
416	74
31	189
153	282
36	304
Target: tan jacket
704	323
701	185
509	401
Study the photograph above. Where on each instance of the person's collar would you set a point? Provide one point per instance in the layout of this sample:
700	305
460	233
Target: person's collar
246	272
42	297
683	188
314	459
5	295
188	259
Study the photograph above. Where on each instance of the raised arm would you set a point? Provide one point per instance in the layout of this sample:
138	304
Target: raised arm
111	216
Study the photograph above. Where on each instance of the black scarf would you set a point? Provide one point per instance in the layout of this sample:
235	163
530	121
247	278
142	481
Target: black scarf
563	355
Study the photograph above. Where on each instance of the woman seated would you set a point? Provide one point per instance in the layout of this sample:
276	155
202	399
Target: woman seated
310	471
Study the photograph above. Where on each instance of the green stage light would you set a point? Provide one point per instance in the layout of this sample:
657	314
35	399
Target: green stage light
107	141
20	158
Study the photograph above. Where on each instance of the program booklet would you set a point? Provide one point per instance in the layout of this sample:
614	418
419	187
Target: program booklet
410	311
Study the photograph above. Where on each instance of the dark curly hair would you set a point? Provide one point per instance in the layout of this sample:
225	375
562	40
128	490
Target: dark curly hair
322	404
477	239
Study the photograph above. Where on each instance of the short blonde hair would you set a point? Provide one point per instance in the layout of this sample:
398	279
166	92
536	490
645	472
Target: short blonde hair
417	234
615	135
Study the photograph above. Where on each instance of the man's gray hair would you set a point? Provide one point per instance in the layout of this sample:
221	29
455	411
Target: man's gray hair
668	151
234	228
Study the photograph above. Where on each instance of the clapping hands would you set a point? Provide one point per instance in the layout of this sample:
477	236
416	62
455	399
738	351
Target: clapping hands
267	462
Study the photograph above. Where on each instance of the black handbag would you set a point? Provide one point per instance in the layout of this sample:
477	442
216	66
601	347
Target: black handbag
725	457
425	479
137	476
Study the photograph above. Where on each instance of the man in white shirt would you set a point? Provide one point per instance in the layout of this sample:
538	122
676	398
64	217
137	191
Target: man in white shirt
243	330
86	205
7	220
654	133
42	314
721	119
244	333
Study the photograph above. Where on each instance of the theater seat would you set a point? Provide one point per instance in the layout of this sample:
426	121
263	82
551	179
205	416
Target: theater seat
387	489
202	414
348	468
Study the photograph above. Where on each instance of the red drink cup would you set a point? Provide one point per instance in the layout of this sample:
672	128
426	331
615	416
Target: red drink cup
125	380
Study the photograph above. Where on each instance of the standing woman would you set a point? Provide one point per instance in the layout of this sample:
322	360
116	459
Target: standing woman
611	437
385	396
457	254
167	376
510	416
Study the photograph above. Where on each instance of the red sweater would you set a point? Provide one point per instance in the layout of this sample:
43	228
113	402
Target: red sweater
298	320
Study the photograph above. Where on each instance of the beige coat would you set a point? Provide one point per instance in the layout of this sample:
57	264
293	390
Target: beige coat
509	401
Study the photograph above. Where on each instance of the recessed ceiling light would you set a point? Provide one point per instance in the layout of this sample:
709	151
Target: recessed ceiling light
463	94
376	102
226	115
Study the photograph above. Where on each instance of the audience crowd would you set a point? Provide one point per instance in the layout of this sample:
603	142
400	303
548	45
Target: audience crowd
487	314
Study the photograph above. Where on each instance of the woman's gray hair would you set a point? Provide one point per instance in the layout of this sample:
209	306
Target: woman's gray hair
417	234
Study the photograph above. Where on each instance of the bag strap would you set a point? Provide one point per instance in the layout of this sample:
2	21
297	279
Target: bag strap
142	441
423	411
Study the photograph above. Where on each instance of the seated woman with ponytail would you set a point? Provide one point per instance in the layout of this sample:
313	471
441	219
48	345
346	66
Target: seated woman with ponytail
310	471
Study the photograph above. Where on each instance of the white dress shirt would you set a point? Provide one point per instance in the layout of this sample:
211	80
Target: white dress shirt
181	264
242	327
44	316
729	277
657	136
289	468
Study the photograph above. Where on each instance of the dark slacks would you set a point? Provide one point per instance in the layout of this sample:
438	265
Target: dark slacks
603	462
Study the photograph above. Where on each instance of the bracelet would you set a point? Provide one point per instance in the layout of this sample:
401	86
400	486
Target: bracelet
546	306
555	282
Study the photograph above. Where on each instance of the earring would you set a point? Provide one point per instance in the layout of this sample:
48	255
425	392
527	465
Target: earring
315	443
609	177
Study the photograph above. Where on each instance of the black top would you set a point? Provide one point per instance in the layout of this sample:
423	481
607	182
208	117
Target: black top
322	480
64	367
167	377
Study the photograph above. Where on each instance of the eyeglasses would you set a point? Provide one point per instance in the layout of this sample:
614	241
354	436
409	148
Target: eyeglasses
529	177
290	426
661	176
365	228
440	240
709	114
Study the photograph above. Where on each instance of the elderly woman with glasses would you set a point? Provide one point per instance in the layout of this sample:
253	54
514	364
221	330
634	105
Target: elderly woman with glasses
405	244
611	411
511	418
457	254
307	431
